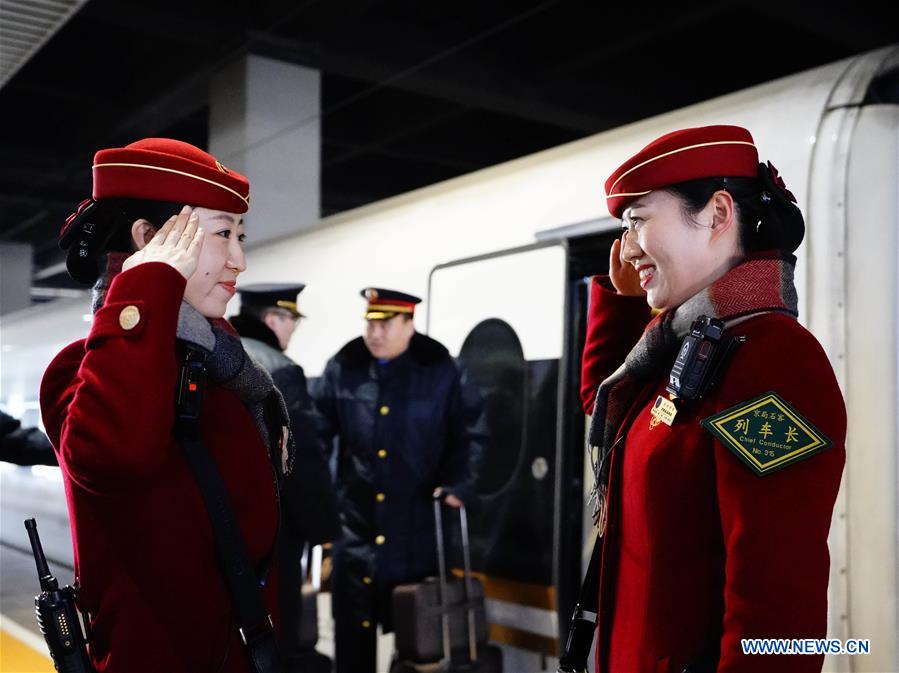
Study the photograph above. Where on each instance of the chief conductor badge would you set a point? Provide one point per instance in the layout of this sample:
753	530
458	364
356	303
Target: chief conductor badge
663	411
766	433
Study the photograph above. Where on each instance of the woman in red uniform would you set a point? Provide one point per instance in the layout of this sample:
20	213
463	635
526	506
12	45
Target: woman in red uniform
145	554
715	506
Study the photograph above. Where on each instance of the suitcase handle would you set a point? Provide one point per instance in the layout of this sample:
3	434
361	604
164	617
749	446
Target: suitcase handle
439	497
311	565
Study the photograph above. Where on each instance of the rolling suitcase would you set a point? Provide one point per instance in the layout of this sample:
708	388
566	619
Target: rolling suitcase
440	623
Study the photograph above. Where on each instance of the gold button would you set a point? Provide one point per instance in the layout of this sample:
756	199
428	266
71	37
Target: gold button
129	317
366	580
380	539
385	410
366	624
380	497
382	453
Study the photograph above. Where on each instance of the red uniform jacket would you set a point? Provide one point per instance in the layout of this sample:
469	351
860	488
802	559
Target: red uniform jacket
700	550
144	550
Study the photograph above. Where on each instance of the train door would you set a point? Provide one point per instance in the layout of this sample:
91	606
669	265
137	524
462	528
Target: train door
515	320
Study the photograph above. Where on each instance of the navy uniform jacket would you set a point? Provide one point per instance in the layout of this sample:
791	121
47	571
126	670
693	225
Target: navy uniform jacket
309	499
403	428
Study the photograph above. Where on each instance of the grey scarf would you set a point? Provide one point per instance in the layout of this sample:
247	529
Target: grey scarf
229	365
761	283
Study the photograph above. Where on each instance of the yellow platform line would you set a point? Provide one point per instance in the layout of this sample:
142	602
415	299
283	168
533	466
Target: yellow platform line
19	651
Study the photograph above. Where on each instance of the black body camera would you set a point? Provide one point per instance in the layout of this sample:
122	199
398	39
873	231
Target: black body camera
191	385
693	365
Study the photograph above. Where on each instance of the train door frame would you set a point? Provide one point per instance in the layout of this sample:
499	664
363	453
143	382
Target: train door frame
585	247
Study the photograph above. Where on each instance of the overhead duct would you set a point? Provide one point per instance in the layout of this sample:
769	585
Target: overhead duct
25	25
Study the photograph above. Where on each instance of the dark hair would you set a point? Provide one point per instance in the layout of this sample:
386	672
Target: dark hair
122	213
105	226
768	219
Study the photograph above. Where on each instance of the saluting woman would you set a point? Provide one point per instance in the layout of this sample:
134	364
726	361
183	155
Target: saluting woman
715	503
150	578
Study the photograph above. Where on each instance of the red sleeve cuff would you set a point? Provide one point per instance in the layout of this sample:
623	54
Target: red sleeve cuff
148	293
614	324
604	296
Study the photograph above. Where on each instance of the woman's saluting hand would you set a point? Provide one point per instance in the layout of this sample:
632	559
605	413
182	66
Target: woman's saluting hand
624	276
177	243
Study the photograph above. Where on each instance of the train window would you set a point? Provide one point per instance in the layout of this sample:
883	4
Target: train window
493	355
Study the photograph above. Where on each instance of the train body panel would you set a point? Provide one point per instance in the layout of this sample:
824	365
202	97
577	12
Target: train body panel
838	150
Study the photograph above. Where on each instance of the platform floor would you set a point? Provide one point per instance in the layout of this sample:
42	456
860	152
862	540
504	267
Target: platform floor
22	647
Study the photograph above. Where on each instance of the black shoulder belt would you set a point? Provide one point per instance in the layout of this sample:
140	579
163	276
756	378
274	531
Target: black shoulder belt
254	621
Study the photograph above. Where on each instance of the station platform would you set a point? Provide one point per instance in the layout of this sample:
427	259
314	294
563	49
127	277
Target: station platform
22	647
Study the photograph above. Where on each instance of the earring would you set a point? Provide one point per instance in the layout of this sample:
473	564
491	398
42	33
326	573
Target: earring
757	226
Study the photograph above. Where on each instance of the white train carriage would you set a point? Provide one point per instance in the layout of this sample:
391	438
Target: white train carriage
501	256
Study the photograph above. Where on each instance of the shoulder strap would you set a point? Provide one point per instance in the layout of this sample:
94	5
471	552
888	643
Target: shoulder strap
583	621
254	621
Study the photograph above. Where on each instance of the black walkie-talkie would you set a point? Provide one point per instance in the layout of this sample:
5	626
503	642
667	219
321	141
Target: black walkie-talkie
57	616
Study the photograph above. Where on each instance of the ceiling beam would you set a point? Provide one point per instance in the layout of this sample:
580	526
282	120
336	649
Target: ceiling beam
472	85
381	145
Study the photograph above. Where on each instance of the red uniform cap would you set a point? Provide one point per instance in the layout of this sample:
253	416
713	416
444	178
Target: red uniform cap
162	169
152	169
688	154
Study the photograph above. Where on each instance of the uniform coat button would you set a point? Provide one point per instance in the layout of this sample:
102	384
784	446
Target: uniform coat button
129	317
384	410
380	539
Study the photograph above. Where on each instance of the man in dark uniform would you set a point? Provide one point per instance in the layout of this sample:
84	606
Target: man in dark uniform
407	422
268	318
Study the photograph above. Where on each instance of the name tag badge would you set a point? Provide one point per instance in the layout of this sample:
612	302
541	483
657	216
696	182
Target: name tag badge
663	411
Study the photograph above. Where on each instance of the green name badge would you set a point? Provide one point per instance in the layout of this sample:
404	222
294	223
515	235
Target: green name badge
766	433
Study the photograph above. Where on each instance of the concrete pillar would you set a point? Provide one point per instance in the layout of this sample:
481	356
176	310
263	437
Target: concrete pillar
15	276
264	123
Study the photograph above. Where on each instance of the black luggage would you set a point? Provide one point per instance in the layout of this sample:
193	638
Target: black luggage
440	623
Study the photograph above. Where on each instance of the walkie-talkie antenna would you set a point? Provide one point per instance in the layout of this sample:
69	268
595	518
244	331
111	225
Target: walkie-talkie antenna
48	582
